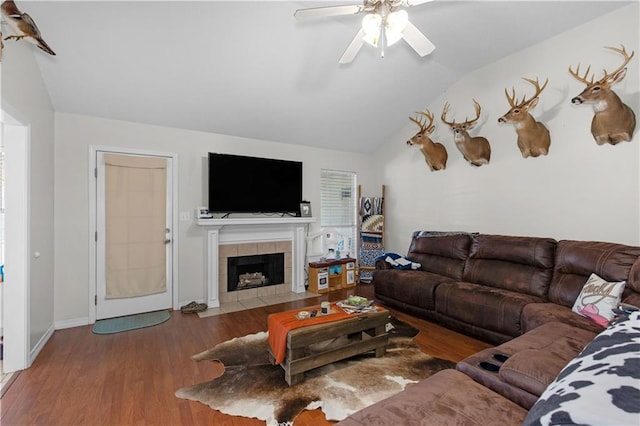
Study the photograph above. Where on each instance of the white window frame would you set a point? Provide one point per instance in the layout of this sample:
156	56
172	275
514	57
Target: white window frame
338	208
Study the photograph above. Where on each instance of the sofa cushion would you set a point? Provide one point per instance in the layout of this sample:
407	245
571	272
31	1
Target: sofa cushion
577	260
597	299
415	288
444	255
536	314
633	282
632	298
599	386
483	307
521	264
446	398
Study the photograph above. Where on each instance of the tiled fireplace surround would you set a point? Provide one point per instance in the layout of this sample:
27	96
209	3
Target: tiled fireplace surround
246	236
247	249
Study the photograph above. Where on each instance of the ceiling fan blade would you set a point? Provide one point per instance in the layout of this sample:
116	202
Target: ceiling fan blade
417	40
353	48
408	3
328	11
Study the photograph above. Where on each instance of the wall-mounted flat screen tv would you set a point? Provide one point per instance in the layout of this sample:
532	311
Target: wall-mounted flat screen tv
240	184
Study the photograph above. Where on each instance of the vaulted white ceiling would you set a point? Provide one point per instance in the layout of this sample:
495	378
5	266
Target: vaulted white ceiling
248	68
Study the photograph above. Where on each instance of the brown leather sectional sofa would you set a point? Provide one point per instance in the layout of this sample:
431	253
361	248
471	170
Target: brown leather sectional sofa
514	291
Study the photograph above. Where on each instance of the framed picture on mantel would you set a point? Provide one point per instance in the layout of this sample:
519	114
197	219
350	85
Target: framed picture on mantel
305	209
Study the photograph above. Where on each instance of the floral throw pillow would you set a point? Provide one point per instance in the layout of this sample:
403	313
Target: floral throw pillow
597	299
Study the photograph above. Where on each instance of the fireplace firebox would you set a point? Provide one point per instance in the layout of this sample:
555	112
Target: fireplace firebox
261	270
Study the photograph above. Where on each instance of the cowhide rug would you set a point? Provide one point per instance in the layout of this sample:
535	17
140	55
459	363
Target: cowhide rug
252	387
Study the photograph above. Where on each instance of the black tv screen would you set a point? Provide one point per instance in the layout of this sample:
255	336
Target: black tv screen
240	184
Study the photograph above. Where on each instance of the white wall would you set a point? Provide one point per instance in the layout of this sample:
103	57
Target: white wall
578	191
25	97
76	133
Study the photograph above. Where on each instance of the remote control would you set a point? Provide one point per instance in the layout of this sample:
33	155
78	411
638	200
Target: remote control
314	313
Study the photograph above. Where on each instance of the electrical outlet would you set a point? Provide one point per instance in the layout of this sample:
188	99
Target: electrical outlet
185	216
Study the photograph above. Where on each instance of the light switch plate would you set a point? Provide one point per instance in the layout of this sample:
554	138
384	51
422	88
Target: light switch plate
184	216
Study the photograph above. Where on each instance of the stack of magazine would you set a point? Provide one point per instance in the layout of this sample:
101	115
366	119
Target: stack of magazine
357	305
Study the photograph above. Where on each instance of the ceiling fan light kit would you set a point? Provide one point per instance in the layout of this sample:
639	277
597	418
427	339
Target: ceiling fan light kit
381	15
371	26
395	25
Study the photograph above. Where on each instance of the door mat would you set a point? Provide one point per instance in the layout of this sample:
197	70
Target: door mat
130	322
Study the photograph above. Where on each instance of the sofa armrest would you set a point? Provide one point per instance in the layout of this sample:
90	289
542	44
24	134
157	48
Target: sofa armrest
532	369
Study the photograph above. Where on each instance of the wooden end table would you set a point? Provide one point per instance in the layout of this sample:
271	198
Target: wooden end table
363	332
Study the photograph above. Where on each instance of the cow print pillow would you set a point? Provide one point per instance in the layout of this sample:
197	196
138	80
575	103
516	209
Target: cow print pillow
599	386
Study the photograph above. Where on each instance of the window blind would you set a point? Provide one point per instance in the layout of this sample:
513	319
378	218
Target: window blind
338	207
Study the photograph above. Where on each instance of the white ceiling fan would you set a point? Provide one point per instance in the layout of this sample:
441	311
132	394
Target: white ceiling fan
384	19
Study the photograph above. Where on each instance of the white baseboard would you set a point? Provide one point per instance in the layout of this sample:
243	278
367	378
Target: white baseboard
76	322
43	341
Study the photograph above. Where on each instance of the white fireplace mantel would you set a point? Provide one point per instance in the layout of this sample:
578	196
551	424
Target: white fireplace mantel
254	229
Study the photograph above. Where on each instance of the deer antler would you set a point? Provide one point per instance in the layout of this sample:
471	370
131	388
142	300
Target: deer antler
627	58
467	122
419	122
424	126
539	89
445	110
576	74
607	75
512	98
525	101
477	107
429	115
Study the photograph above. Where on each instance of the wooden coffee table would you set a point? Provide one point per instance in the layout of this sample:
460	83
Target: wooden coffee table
361	333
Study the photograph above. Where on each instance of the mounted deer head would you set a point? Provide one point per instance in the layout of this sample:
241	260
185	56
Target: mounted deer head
435	154
533	136
613	121
476	150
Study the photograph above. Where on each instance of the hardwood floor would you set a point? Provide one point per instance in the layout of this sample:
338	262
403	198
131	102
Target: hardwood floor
81	378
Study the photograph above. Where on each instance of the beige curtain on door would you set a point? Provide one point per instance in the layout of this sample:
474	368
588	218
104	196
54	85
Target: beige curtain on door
135	219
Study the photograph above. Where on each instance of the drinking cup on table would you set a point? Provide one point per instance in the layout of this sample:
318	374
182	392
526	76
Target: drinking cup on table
324	306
